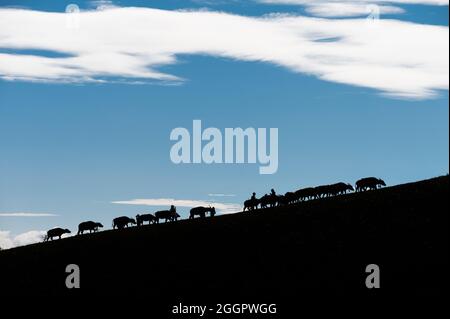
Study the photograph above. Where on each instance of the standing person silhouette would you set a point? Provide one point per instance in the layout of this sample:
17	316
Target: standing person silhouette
173	212
254	201
273	198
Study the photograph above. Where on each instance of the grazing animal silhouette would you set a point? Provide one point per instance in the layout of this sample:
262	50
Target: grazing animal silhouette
322	191
201	211
281	200
340	188
305	193
251	204
274	199
89	225
291	198
122	222
56	232
369	183
270	200
167	215
150	218
264	201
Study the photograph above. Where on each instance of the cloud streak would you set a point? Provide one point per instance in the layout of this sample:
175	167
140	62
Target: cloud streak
27	215
224	208
336	9
352	8
384	57
307	2
102	4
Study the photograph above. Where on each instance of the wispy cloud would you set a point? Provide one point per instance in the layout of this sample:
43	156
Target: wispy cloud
102	4
352	8
8	241
213	2
307	2
224	208
384	57
21	214
344	9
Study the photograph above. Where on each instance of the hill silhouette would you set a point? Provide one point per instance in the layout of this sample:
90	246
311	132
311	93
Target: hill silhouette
313	247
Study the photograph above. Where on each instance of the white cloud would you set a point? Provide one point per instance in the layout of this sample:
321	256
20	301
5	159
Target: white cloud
400	59
352	8
27	215
306	2
30	237
343	9
5	240
224	208
214	2
102	4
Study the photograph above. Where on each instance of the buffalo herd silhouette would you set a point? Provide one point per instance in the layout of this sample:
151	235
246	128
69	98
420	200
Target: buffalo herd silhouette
266	201
322	191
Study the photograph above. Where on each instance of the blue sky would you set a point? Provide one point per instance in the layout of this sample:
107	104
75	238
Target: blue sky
73	144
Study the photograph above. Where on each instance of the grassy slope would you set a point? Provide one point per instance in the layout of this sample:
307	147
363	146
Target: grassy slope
316	246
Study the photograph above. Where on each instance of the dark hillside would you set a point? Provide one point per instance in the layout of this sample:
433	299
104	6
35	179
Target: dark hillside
320	246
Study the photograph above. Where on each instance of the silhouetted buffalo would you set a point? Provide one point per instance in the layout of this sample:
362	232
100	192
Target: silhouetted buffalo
122	222
369	183
167	215
264	201
322	191
340	188
270	200
305	193
281	200
89	225
251	204
201	211
290	198
56	232
150	218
